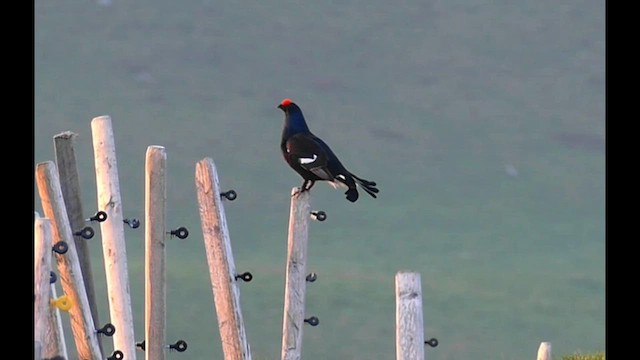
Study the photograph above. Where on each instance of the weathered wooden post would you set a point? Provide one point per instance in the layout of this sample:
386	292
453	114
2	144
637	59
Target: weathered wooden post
114	247
37	350
82	326
544	351
155	237
296	274
70	184
42	269
409	321
54	344
222	270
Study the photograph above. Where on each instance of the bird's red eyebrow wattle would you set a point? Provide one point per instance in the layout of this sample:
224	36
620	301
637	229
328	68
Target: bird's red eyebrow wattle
286	102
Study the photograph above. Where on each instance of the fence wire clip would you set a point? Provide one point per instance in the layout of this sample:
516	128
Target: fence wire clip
117	355
60	247
433	342
133	223
313	321
245	276
319	215
180	233
108	329
100	216
63	303
86	232
179	346
229	195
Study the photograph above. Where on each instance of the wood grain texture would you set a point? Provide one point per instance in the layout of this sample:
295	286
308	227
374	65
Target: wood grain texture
222	270
54	344
70	184
155	253
41	272
544	351
296	274
70	275
114	247
409	321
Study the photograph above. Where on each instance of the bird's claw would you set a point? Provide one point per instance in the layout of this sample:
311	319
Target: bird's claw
298	191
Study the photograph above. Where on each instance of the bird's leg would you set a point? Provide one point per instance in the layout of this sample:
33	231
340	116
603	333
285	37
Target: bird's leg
311	183
306	186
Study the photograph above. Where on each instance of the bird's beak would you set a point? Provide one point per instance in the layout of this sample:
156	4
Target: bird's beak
280	107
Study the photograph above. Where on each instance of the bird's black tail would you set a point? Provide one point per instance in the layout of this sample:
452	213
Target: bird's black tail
368	186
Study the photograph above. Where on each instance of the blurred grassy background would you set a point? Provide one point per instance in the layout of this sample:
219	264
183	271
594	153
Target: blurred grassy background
482	122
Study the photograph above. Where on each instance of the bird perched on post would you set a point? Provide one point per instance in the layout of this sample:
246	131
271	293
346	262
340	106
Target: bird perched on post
312	158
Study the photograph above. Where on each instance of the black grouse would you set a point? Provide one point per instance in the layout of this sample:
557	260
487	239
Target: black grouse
312	158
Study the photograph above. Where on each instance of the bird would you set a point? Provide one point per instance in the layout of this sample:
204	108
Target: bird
313	159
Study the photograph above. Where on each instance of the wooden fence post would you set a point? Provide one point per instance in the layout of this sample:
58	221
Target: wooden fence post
54	344
295	282
222	270
37	350
544	351
155	255
84	330
409	321
42	269
70	185
114	247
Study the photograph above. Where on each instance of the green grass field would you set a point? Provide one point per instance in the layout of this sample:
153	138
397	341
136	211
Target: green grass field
482	123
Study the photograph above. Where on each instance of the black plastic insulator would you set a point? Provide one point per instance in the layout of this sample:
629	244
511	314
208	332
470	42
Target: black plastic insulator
100	216
108	330
180	232
433	342
86	232
229	195
60	247
311	277
133	223
319	215
52	277
117	355
179	346
141	345
245	276
313	321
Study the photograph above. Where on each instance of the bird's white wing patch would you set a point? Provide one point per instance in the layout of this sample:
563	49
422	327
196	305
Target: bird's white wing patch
308	160
339	183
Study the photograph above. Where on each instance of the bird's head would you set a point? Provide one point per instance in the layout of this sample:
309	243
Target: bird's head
294	120
285	104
